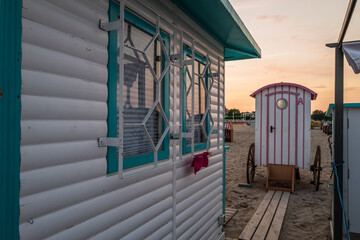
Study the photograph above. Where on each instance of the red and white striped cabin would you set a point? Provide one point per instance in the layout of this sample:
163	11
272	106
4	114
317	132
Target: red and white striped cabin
282	125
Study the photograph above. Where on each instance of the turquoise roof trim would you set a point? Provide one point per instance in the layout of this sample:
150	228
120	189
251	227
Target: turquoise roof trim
220	20
346	105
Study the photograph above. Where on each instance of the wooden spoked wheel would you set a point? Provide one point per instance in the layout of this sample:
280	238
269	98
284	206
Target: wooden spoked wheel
250	164
316	168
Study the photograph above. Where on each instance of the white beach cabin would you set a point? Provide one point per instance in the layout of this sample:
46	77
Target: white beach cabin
282	125
351	166
104	105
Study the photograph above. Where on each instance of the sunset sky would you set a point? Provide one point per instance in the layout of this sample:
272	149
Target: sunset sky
292	37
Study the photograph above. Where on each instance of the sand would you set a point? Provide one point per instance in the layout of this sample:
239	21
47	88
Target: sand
308	213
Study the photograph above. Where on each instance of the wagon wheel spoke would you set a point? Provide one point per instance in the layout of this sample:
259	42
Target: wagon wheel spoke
250	164
316	168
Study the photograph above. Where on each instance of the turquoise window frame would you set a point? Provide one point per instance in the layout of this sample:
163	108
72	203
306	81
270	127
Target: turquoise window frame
10	105
200	146
138	160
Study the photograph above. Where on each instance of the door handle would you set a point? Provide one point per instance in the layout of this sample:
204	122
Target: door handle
272	129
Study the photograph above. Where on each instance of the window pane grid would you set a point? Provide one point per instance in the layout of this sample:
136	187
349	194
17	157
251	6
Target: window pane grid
199	102
139	92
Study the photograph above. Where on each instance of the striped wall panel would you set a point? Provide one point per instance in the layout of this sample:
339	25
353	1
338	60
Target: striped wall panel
282	136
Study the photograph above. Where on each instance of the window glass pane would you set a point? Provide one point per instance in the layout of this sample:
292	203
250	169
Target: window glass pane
188	93
199	102
202	89
139	92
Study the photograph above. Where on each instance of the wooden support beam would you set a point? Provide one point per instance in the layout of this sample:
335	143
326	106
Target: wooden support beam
338	140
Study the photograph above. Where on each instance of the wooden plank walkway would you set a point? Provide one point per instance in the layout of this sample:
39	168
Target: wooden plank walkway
267	221
229	213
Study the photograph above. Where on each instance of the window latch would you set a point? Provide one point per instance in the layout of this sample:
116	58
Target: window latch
175	136
109	142
175	57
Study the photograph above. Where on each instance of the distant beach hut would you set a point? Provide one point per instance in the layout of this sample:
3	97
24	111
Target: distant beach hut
282	125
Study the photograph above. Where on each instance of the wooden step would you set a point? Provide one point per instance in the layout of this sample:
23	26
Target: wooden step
267	221
274	231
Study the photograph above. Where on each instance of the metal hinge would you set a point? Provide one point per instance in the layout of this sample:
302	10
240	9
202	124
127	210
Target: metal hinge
221	219
109	142
110	26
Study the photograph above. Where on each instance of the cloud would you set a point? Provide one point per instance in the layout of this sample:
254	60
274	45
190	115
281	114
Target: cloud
287	71
232	66
349	89
274	55
322	86
246	5
269	18
275	68
295	38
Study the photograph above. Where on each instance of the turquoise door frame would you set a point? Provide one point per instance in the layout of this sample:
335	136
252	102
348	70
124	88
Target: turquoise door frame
10	106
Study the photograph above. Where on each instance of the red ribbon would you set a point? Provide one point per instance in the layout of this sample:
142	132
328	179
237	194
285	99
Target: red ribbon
199	161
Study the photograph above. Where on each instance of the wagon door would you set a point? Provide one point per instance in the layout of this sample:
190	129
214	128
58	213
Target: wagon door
281	125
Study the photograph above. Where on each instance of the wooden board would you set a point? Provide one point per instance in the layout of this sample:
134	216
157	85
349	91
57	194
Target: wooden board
229	213
274	231
256	218
280	173
267	221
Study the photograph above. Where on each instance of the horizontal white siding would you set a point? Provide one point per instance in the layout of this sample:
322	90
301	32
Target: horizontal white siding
65	192
54	131
47	84
37	156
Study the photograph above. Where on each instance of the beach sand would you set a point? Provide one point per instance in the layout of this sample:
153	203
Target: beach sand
308	212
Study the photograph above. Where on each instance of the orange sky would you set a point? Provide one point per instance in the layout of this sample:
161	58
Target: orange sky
292	37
